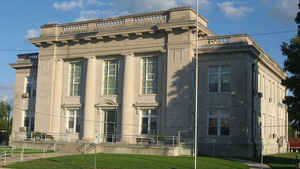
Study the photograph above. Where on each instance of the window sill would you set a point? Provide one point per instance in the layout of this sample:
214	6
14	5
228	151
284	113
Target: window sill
141	95
109	95
221	93
221	136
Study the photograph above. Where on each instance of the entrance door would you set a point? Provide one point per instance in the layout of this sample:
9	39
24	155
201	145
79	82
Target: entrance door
110	126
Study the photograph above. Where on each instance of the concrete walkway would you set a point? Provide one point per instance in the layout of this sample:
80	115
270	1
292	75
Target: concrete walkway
253	165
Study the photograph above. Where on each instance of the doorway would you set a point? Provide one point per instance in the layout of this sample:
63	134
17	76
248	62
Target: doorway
110	126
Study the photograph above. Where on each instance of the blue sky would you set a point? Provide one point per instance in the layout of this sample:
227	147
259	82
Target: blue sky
21	19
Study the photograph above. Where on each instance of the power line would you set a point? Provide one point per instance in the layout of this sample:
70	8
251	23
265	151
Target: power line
273	33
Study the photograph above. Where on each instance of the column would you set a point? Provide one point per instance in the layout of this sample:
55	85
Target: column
56	114
89	101
129	78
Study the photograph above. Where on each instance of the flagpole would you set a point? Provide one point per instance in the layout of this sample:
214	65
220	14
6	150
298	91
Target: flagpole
196	88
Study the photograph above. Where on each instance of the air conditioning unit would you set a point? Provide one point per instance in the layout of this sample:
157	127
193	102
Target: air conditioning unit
25	95
270	99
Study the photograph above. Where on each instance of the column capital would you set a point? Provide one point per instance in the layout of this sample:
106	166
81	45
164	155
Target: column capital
127	53
59	59
90	57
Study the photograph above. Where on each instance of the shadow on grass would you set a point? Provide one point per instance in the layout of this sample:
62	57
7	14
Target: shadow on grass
281	162
64	163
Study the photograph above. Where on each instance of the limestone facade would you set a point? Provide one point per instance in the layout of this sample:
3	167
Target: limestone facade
128	78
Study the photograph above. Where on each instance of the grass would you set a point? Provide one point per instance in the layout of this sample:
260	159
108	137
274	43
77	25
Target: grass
113	161
282	161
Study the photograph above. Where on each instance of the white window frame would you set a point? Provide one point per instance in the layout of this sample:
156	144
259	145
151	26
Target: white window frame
145	75
149	116
107	75
23	118
29	115
219	74
220	114
76	112
72	80
26	79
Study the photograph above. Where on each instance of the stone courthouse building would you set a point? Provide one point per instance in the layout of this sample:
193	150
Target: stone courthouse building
130	80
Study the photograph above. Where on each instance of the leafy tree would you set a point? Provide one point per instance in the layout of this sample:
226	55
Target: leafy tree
291	132
4	118
292	65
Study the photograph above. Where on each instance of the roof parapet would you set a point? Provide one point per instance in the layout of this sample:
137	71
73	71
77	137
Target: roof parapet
158	17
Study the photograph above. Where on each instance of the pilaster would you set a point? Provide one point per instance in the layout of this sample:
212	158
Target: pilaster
56	114
128	98
89	104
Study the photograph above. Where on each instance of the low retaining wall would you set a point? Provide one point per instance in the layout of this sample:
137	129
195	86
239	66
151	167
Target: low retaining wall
81	148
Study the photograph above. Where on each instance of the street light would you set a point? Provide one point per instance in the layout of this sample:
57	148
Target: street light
196	88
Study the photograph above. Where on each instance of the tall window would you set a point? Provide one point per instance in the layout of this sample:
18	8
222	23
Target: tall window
218	123
26	119
74	121
27	85
149	122
32	124
75	81
150	77
219	78
111	77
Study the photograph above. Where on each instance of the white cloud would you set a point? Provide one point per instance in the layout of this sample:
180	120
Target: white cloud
68	5
95	2
123	7
33	33
134	6
284	10
232	11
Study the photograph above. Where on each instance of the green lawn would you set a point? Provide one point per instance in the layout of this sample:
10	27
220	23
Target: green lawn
282	161
113	161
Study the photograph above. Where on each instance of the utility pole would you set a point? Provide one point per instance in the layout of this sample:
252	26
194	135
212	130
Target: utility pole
196	87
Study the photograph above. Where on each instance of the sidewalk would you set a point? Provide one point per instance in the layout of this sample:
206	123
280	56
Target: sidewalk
253	165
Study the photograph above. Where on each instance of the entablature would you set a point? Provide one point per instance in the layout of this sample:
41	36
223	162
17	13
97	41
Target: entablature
130	32
122	27
27	60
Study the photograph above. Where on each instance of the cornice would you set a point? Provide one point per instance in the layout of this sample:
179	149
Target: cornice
71	106
123	32
146	105
21	65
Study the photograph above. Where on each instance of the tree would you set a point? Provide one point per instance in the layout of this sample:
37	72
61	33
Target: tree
292	65
4	118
